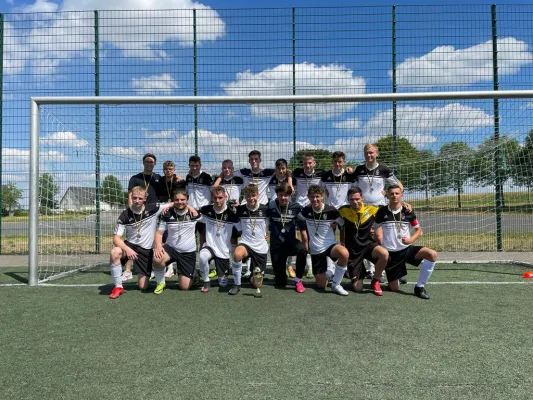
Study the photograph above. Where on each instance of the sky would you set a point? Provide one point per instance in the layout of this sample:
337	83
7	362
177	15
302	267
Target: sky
248	51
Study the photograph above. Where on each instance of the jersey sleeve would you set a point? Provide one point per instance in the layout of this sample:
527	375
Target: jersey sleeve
378	220
119	228
413	221
131	183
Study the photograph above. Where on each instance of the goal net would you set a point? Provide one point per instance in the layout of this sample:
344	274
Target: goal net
464	158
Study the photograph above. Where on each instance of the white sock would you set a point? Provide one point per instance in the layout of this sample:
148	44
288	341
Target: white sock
291	260
159	275
116	274
371	267
296	280
338	275
237	269
426	268
248	264
203	264
308	262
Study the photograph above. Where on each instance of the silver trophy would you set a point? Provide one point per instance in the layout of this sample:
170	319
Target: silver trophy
257	281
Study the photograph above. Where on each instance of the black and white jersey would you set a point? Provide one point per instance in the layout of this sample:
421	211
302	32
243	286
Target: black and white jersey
261	179
166	188
199	189
218	228
302	181
395	225
233	187
318	226
181	228
254	225
139	228
149	182
274	181
372	182
337	187
283	223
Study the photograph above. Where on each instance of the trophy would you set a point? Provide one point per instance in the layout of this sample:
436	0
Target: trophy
257	281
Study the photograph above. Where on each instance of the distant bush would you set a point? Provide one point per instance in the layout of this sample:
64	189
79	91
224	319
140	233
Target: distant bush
21	213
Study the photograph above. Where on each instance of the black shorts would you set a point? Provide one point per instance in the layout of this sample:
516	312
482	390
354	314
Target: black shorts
356	268
397	259
221	264
320	262
185	261
143	264
200	227
258	259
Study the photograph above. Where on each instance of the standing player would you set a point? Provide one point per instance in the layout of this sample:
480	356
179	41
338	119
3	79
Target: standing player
394	233
180	246
371	178
168	183
139	222
252	244
198	184
337	181
358	221
282	175
232	184
319	220
283	243
257	175
303	179
149	181
219	222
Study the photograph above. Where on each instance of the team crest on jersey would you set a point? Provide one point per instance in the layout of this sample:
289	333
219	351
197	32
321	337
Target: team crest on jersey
260	213
324	216
225	217
200	180
329	178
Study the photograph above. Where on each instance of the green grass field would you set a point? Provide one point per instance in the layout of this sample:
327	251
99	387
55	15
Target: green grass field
470	341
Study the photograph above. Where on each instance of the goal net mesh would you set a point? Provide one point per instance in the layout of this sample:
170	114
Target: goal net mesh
449	155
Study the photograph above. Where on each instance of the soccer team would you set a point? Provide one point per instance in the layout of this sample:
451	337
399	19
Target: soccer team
166	213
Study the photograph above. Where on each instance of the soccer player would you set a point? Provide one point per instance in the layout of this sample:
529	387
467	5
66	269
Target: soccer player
252	244
139	222
337	181
358	221
149	181
394	224
230	182
319	221
257	175
198	184
169	182
303	178
282	175
219	222
180	246
282	215
371	177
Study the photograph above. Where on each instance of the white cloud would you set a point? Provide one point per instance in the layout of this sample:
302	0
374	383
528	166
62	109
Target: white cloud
40	6
63	139
446	65
163	83
165	134
123	151
350	124
310	79
57	38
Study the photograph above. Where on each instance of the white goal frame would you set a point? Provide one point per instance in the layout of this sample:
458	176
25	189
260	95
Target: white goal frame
36	102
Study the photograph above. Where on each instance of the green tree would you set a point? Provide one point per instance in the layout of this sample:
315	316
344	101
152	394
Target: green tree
48	190
483	168
112	191
322	157
522	164
409	165
451	169
10	196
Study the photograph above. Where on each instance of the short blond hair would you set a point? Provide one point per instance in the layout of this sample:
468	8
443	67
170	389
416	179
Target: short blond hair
140	189
371	145
169	164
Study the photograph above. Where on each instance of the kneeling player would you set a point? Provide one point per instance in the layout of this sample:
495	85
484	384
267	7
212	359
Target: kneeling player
319	223
282	215
180	246
219	221
252	244
394	233
358	220
139	222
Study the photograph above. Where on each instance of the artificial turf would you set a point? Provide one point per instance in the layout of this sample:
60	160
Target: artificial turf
468	341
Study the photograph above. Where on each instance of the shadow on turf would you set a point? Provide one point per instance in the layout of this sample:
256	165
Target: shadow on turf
17	276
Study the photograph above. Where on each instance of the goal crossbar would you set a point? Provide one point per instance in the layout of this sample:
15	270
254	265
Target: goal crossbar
36	102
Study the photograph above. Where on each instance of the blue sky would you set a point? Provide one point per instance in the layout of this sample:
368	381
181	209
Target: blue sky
338	51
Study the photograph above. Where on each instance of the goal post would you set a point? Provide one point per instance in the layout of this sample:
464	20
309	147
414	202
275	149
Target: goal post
350	126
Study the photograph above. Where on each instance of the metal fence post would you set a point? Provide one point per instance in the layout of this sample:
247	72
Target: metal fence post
195	81
1	122
394	122
293	80
497	153
97	131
